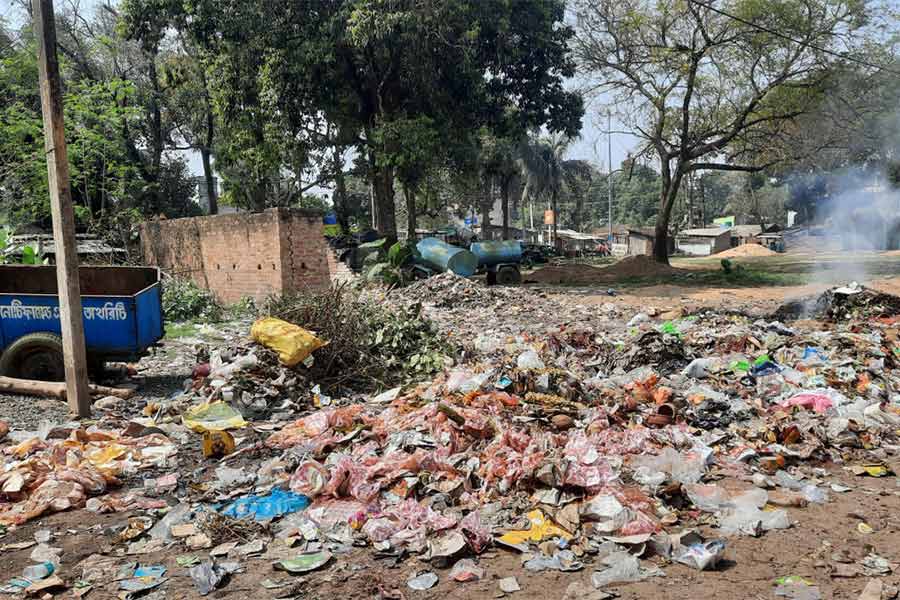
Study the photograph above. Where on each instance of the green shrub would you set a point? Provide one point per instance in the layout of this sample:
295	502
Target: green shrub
184	300
370	346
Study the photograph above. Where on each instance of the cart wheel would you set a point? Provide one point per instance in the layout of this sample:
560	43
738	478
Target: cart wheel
34	356
509	276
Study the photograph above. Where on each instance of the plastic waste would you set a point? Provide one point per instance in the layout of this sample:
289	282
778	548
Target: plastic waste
541	528
622	567
41	571
229	477
814	494
785	480
700	368
304	563
207	577
529	360
215	416
819	402
425	581
226	371
466	570
562	560
262	508
217	444
292	343
701	556
508	585
638	319
162	530
795	587
309	479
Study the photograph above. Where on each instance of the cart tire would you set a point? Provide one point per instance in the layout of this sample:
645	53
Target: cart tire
34	356
509	276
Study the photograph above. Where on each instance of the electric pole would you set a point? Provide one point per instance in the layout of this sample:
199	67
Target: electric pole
69	287
609	176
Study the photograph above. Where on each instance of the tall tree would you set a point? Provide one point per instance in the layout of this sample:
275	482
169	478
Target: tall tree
705	90
369	65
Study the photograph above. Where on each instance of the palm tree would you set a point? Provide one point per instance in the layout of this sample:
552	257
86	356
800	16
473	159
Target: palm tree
541	162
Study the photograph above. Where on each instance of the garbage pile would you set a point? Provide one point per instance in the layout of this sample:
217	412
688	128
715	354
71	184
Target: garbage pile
852	301
63	468
449	290
575	448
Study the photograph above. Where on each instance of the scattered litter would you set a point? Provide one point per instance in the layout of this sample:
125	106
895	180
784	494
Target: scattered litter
508	585
425	581
304	563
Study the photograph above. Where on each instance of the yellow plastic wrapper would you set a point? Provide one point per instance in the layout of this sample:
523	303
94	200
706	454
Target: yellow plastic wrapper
217	443
541	528
216	416
292	343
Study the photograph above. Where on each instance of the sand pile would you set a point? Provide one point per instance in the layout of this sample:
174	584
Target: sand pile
746	250
631	267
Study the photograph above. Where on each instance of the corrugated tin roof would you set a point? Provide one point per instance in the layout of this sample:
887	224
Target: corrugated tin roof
746	230
706	231
575	235
44	245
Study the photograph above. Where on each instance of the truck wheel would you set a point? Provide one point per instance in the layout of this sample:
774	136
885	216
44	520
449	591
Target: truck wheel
509	276
34	356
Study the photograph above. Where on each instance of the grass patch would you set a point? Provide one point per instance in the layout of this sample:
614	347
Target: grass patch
180	330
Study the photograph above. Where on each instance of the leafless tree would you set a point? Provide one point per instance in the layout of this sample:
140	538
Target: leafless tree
708	84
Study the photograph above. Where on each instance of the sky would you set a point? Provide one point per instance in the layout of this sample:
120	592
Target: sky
590	146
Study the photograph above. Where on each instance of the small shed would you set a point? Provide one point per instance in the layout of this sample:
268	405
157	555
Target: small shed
703	242
576	241
640	241
745	234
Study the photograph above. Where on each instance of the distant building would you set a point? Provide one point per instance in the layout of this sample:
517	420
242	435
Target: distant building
703	242
745	234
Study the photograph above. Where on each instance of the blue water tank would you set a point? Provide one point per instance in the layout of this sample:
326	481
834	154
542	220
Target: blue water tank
444	257
490	254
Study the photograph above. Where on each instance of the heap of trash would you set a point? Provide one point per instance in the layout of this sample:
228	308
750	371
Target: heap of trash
574	448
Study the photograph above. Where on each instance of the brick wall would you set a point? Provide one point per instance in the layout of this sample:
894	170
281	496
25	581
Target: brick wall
242	254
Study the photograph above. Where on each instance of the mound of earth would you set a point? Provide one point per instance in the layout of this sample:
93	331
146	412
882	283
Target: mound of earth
628	268
746	250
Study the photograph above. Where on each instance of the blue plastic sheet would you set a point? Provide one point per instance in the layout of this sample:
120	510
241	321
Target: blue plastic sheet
262	508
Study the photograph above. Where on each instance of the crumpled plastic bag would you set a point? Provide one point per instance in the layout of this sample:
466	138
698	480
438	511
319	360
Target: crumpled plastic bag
215	416
541	528
262	508
292	343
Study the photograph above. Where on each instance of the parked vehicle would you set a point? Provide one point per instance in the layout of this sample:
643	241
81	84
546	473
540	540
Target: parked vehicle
122	309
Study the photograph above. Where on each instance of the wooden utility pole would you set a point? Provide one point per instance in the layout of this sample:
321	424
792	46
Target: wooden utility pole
75	362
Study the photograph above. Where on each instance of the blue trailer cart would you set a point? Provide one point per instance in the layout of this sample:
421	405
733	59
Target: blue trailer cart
122	318
500	260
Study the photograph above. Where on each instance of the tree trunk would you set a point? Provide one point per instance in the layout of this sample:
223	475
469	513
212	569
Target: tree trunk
504	205
341	203
487	204
554	198
669	192
210	181
384	203
410	195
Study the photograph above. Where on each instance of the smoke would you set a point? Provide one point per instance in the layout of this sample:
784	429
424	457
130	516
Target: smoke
855	216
